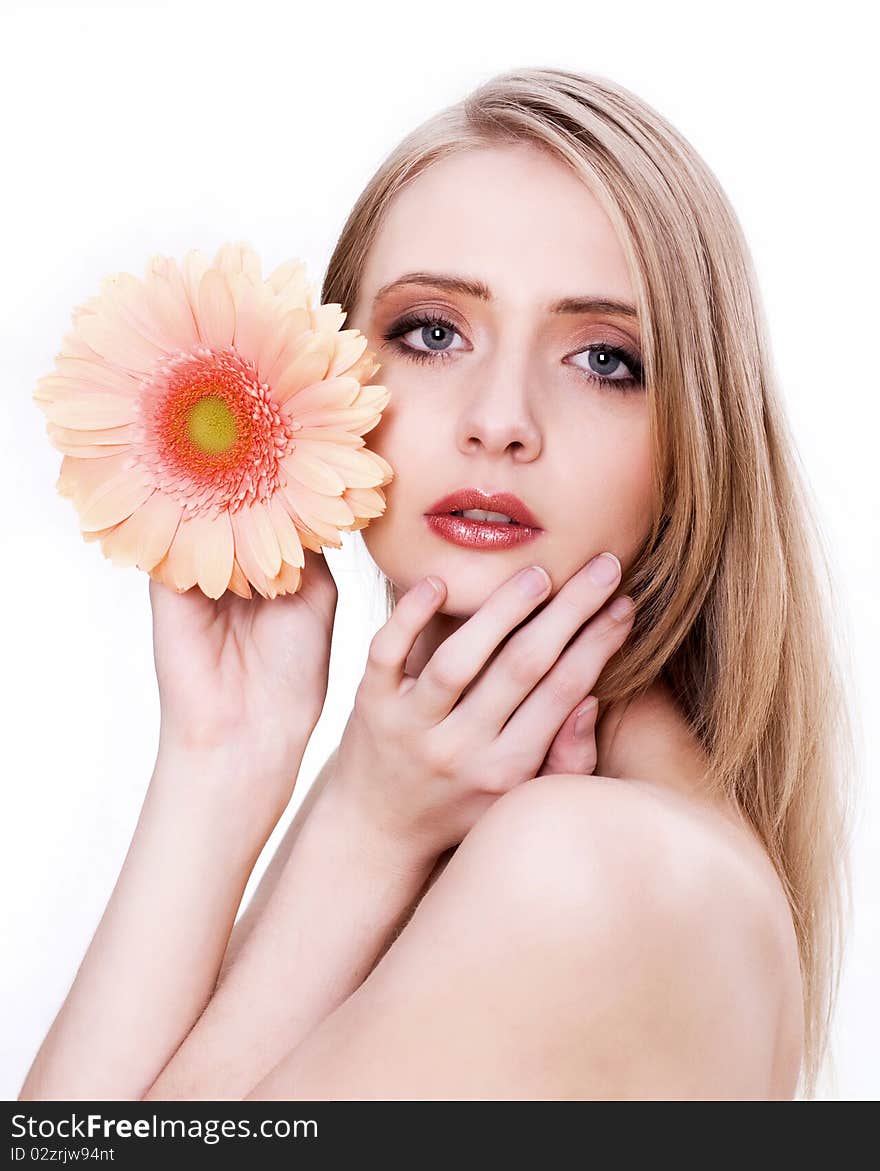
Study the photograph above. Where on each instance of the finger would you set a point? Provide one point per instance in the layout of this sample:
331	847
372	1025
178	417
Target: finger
460	657
576	672
574	747
532	651
392	644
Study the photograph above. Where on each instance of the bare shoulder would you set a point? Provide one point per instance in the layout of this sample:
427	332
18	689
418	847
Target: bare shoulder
674	919
592	937
648	741
695	852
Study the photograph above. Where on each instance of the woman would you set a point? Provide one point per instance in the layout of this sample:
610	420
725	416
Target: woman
483	895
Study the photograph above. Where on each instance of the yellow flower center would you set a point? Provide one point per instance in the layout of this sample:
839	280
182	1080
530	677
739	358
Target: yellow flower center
210	424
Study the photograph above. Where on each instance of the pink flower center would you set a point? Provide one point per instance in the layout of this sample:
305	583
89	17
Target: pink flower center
210	432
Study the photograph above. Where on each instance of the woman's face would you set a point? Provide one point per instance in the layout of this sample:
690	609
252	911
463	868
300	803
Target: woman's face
495	389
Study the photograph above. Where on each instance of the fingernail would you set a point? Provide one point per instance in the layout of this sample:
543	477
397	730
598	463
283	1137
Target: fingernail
604	569
428	589
621	607
584	719
534	581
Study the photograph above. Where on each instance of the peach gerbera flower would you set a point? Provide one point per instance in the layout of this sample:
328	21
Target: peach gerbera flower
212	421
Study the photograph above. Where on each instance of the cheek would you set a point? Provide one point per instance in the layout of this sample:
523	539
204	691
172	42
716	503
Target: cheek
613	485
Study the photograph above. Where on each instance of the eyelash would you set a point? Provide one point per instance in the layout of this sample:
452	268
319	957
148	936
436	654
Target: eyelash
416	320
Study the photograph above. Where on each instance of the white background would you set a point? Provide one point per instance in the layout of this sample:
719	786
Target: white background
131	130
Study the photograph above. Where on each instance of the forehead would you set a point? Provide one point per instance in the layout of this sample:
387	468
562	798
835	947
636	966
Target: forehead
510	215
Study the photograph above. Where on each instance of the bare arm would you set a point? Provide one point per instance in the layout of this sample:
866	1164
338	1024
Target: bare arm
153	962
255	908
268	883
593	939
340	894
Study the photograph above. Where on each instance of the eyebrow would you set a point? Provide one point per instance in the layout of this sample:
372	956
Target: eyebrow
481	292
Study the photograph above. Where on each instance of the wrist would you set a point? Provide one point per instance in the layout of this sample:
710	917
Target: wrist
382	850
239	798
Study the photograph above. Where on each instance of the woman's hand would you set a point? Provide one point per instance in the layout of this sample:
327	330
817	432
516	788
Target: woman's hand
574	747
244	681
422	758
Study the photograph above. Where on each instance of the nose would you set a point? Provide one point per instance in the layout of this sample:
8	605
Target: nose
496	412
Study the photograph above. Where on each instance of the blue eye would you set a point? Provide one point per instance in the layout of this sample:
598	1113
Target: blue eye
434	325
610	357
430	324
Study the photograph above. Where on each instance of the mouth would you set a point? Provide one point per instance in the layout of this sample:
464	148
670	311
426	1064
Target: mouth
492	509
483	517
474	533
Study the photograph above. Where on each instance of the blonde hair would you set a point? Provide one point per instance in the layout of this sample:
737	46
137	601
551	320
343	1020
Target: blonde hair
730	584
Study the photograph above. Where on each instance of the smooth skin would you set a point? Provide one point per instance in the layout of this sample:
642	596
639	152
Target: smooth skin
439	781
605	928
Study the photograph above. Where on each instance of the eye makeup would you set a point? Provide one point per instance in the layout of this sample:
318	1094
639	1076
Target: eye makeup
422	318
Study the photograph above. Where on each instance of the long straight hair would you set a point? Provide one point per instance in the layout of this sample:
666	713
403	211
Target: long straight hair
733	586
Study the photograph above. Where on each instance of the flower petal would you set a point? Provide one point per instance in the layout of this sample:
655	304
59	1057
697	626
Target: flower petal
144	538
202	551
117	499
313	470
305	509
216	310
359	468
88	374
365	502
290	279
193	268
126	295
328	435
215	554
328	318
350	345
118	342
238	583
79	478
256	546
171	310
252	318
285	530
241	258
326	394
293	328
91	412
289	579
77	443
310	365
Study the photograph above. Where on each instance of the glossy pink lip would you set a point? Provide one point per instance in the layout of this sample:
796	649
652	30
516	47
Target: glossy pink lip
467	498
480	534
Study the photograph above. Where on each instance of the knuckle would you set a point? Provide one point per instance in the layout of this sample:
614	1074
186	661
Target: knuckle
503	769
606	628
526	663
443	757
379	654
441	672
572	603
567	686
362	707
496	779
